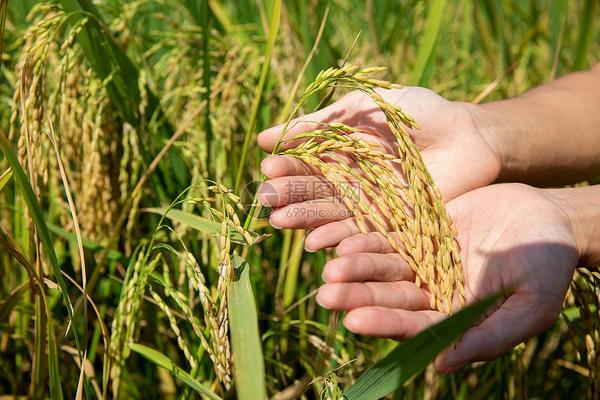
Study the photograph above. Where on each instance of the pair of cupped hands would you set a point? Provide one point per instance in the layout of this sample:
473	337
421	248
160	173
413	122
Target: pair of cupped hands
514	239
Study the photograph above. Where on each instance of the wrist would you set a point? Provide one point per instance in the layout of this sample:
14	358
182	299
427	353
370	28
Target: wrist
489	125
581	205
483	124
512	133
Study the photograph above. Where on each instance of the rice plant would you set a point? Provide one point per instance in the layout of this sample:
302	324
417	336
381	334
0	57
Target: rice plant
136	261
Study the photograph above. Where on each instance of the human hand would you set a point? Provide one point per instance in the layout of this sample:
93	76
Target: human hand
514	239
453	149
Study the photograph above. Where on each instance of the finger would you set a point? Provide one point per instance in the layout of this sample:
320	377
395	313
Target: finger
310	214
267	139
279	192
330	235
517	319
363	267
390	323
277	166
334	233
373	242
348	296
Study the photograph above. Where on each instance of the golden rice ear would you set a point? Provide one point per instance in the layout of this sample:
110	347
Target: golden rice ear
406	208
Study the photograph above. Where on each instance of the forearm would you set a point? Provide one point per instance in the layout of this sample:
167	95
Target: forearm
549	135
582	207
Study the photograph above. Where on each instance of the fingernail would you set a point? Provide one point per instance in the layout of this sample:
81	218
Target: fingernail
452	363
274	224
308	250
319	298
453	367
265	163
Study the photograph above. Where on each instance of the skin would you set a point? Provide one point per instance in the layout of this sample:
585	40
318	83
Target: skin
515	238
449	142
528	252
464	146
548	136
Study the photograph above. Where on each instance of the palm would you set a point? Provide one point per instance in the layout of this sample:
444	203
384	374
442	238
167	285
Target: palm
448	140
513	240
512	235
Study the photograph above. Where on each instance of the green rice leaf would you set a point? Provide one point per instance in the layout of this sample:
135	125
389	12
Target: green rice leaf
248	364
557	13
5	178
427	45
165	362
221	15
258	94
9	303
586	25
183	217
194	221
113	255
412	356
53	368
40	225
3	6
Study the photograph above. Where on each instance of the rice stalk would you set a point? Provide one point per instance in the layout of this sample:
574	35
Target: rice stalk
125	321
175	328
221	203
331	389
586	290
55	86
215	319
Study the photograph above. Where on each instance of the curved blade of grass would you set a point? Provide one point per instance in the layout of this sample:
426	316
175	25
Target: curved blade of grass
325	99
5	178
113	255
288	105
258	94
183	217
221	15
248	362
42	365
3	6
557	12
9	303
205	22
40	369
165	362
40	225
427	45
53	369
586	24
494	12
194	221
413	355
